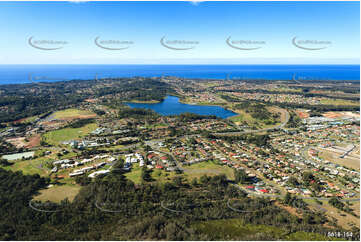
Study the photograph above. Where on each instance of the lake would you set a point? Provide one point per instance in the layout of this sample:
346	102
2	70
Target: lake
171	106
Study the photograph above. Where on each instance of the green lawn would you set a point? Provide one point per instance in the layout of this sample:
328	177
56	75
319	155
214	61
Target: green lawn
56	137
134	174
242	117
162	175
30	119
38	165
157	174
30	167
140	101
71	113
209	168
115	147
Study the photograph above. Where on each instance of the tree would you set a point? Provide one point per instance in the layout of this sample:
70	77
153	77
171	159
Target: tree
194	182
82	180
204	179
234	192
307	177
5	162
240	176
336	203
178	181
293	181
118	166
145	176
288	198
316	186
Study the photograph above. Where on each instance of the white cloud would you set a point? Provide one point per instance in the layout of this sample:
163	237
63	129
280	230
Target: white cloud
196	2
77	1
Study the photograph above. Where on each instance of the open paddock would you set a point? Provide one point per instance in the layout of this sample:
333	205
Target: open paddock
58	193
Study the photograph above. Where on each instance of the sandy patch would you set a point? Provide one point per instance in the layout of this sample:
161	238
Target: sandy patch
19	120
340	115
34	141
17	142
302	114
351	114
332	115
91	100
52	124
79	117
289	209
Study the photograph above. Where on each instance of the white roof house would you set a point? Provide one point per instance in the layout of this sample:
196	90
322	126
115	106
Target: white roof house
94	174
76	173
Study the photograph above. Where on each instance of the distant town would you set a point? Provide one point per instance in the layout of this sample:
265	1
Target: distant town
295	143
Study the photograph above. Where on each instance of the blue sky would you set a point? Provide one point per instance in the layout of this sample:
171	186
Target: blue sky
272	25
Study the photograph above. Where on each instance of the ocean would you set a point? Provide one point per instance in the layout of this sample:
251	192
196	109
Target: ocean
16	74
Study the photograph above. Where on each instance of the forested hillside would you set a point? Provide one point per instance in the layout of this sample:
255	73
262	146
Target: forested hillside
114	208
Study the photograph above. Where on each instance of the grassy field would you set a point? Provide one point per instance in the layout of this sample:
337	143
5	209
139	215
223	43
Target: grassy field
135	174
237	230
347	161
242	117
191	101
285	89
30	119
344	219
163	176
339	102
156	125
27	167
246	118
72	113
38	165
66	134
139	101
211	84
30	167
58	193
209	168
157	174
115	147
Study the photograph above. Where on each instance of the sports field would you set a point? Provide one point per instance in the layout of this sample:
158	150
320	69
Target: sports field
72	113
209	168
56	137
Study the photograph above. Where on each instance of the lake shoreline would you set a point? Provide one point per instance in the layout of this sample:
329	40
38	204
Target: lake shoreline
173	105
